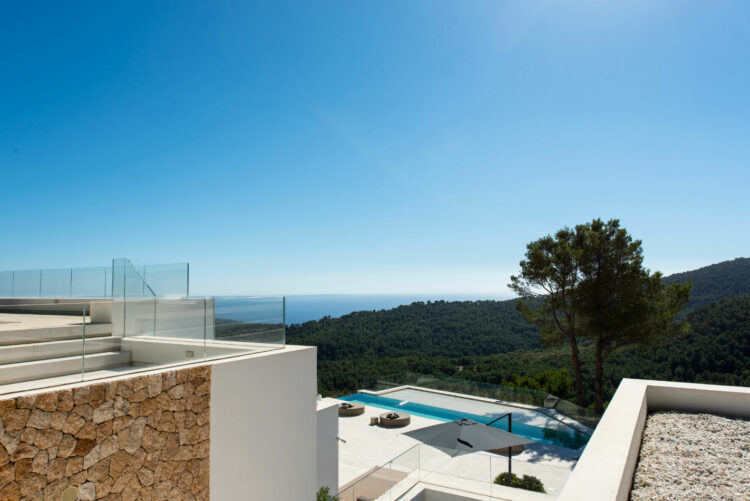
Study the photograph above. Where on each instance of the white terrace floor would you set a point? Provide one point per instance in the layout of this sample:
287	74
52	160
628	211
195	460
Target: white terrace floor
369	446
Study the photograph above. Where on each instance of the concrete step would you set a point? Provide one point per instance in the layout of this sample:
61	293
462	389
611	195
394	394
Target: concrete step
60	333
40	369
28	352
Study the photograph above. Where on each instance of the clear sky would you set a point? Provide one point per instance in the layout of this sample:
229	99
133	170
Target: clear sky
369	146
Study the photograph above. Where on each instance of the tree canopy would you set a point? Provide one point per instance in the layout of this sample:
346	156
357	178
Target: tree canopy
620	302
548	284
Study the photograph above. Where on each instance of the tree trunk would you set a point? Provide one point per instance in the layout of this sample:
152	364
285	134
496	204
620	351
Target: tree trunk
598	377
578	379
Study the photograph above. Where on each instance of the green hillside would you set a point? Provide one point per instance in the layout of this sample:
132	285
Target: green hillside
490	341
717	281
436	328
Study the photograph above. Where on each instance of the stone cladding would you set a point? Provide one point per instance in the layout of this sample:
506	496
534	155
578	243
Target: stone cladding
144	437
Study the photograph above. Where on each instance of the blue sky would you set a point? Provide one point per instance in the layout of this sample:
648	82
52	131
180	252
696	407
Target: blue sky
363	146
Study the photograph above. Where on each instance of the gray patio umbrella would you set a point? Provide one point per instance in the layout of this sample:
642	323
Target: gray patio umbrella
464	436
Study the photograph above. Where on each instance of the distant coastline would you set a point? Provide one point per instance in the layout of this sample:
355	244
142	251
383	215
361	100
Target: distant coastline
302	308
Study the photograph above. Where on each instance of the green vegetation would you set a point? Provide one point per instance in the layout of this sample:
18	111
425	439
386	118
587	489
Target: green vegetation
324	495
716	349
717	281
439	329
528	482
589	283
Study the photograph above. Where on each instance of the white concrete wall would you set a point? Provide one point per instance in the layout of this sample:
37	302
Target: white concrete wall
168	351
328	444
101	312
264	426
606	467
691	397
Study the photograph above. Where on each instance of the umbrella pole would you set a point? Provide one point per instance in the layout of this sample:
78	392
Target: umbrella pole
509	472
510	430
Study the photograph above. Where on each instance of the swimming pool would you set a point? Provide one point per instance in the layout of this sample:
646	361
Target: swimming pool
562	436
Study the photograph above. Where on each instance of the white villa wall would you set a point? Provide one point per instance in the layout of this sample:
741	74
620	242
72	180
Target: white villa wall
264	426
605	470
164	351
328	444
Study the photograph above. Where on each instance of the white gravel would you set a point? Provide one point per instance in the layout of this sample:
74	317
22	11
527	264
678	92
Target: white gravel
687	456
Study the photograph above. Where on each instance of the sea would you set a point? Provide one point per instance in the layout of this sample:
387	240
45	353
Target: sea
301	308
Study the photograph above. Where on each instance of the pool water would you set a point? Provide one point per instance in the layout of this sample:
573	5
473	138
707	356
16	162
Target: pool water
561	437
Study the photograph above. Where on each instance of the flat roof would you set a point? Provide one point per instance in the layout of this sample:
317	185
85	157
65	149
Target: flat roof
696	455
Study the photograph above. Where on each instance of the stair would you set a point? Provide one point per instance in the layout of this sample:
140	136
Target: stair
30	352
65	332
61	366
43	353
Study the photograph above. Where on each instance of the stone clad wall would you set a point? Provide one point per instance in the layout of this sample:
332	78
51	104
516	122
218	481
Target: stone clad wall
144	437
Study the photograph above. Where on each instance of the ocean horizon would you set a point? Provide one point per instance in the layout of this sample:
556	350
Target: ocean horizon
305	307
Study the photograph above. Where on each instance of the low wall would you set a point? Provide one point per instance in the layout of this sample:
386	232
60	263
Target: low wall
243	427
139	437
169	351
608	463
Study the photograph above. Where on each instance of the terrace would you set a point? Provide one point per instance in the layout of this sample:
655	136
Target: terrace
377	462
111	371
64	326
704	426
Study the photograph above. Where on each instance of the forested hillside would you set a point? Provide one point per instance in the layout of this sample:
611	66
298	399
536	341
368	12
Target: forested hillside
436	328
490	341
717	281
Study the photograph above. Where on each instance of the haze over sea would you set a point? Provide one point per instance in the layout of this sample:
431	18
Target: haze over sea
301	308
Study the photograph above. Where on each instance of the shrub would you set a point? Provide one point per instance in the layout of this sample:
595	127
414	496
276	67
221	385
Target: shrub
531	483
528	482
324	495
502	479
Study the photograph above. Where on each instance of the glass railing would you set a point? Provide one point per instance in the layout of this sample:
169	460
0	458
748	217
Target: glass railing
57	283
164	280
167	280
546	403
387	482
475	473
250	319
44	344
133	299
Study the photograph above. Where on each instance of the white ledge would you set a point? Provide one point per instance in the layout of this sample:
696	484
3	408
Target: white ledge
605	470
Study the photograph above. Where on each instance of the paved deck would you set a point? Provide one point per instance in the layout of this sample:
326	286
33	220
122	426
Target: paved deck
369	446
